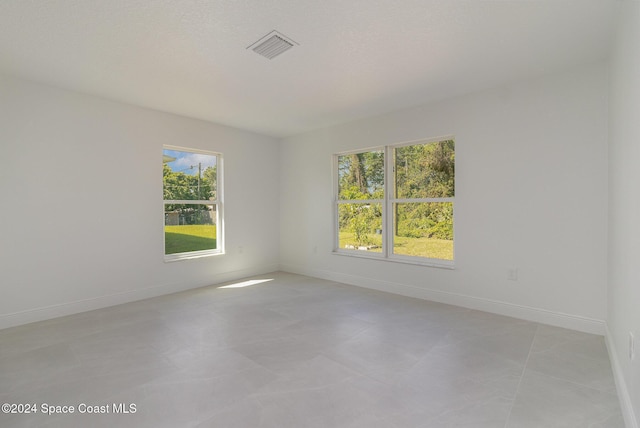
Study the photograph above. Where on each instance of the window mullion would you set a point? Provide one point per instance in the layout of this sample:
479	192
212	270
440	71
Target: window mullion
387	214
360	201
410	200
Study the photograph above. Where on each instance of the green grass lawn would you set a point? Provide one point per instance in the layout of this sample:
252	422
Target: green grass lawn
421	247
187	238
347	238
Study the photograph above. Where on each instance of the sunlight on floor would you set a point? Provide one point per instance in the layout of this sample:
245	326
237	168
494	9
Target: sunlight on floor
246	283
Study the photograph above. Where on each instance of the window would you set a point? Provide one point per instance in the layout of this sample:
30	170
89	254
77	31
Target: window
192	190
396	202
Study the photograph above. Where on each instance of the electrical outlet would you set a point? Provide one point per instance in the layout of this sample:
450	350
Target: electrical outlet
632	350
512	274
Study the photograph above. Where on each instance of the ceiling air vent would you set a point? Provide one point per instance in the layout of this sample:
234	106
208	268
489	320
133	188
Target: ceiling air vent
272	45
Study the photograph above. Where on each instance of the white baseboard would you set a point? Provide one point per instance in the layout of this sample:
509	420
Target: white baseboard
55	311
626	406
542	316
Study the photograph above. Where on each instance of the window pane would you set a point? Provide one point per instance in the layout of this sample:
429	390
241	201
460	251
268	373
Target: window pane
425	170
189	176
423	229
361	176
360	227
189	228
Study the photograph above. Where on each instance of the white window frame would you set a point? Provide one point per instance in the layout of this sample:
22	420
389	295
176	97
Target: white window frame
218	202
387	202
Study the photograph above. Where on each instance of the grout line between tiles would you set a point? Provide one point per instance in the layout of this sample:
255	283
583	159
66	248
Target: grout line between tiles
524	369
581	385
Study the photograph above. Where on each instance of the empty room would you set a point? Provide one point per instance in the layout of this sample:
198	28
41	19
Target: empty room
320	214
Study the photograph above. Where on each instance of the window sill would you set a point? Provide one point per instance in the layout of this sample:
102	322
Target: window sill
169	258
435	263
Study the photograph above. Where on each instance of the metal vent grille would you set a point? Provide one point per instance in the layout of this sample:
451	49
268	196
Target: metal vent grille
272	45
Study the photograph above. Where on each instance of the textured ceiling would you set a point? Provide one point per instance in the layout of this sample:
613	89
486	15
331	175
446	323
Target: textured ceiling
355	58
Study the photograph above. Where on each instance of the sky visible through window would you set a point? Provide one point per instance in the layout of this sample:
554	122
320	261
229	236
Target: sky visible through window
187	162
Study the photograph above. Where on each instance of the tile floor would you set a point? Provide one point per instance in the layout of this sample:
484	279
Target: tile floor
301	352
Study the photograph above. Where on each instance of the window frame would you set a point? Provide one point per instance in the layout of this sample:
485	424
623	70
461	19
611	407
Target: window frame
389	199
217	203
338	201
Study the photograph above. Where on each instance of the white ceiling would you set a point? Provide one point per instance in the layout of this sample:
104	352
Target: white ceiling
356	58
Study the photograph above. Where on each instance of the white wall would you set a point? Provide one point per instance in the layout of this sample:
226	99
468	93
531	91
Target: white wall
81	208
624	203
531	193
